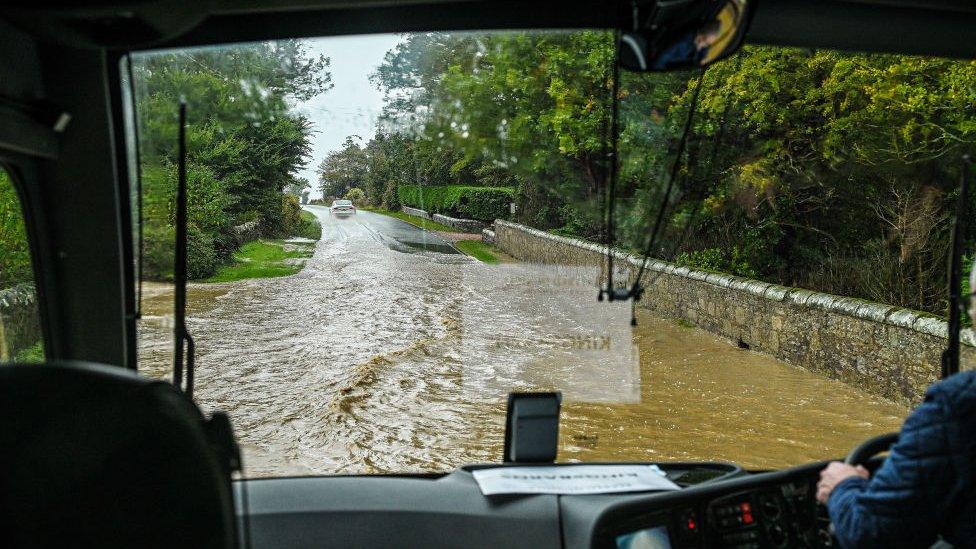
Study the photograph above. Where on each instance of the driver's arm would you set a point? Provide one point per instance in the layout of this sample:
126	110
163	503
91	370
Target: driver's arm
908	499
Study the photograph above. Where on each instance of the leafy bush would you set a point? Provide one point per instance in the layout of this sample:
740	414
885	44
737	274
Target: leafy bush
311	228
291	216
157	255
481	203
716	260
207	216
576	224
158	259
391	198
357	196
201	257
241	151
15	263
34	353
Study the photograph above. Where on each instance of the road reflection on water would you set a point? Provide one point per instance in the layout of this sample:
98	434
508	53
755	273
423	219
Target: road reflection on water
379	357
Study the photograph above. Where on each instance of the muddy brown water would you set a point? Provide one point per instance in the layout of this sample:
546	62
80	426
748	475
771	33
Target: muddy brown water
379	357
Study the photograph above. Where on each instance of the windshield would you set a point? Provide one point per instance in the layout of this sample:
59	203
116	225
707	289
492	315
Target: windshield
791	307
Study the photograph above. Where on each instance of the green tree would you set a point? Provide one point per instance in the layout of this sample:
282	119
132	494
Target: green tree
504	109
343	169
298	187
836	171
244	143
827	170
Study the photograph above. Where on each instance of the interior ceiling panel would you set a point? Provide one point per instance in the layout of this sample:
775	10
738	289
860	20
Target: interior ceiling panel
932	27
952	5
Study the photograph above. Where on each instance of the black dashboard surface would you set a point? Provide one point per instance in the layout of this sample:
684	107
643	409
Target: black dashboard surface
450	511
373	511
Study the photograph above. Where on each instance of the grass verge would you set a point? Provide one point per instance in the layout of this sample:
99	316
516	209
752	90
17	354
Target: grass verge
264	259
34	353
414	220
486	253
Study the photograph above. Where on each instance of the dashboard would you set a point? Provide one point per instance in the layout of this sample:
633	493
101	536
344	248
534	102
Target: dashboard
719	505
778	516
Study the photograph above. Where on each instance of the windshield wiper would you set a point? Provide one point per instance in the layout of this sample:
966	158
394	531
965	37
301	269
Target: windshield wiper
950	357
636	289
180	334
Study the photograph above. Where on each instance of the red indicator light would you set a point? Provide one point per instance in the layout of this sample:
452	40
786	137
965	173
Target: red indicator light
747	518
691	524
746	508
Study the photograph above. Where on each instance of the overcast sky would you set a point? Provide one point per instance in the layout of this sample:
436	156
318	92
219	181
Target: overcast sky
354	104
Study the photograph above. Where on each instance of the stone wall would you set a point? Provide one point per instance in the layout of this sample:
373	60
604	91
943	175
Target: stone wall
416	211
247	232
20	325
883	349
465	225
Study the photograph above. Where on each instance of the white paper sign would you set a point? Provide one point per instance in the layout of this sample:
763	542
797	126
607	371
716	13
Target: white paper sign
572	479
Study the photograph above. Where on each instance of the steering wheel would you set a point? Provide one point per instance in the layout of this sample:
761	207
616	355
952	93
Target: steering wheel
865	451
870	448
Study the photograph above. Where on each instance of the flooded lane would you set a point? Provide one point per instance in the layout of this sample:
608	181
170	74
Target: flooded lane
386	354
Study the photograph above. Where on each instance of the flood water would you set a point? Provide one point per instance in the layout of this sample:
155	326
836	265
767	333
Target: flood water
381	356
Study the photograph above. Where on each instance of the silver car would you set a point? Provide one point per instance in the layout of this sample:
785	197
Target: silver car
342	208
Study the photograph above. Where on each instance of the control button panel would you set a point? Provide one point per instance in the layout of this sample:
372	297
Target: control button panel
779	517
735	520
730	515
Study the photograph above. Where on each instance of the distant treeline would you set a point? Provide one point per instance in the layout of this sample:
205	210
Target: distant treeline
835	172
244	146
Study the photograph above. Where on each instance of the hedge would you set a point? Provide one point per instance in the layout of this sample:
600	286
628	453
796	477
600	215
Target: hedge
481	203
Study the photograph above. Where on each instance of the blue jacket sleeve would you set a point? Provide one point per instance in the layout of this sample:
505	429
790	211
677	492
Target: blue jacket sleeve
907	500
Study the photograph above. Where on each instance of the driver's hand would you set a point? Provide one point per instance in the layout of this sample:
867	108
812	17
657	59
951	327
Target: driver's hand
833	474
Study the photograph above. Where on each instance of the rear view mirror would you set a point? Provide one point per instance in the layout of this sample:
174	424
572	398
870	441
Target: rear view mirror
682	34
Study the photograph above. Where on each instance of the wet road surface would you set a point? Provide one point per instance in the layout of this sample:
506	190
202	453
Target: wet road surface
389	352
399	235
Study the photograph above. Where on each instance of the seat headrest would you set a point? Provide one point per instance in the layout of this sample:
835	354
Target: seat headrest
93	455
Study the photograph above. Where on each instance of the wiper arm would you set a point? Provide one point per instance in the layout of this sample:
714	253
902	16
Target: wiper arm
180	334
950	357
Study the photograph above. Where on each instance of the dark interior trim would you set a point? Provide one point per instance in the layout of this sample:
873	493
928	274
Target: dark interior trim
20	133
859	26
113	69
941	29
81	196
458	16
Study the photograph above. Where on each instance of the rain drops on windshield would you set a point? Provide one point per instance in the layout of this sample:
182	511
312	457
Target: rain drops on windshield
388	234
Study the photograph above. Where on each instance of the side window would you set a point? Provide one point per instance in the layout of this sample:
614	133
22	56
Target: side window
20	323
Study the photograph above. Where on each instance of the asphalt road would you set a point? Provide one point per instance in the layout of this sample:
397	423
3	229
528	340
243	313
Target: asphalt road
395	233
